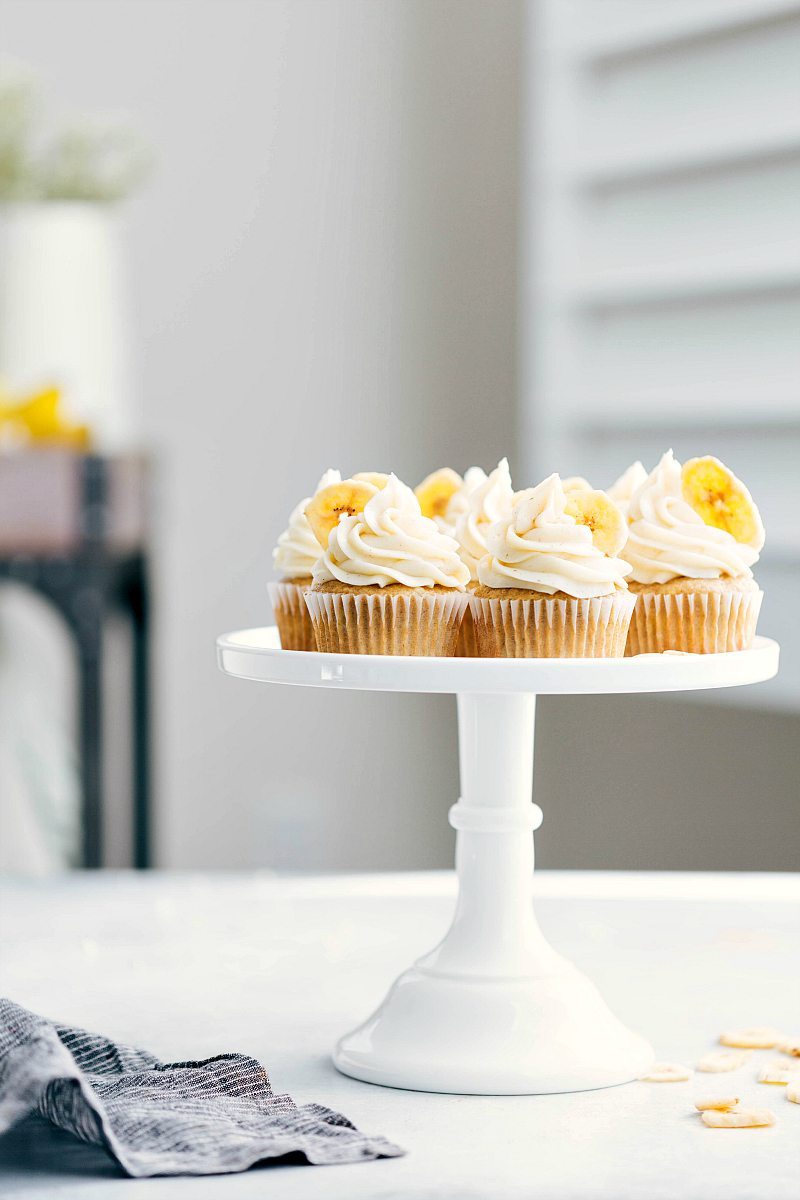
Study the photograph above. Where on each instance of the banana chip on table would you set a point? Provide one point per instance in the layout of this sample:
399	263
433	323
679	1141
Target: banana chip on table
738	1118
662	1072
723	1060
756	1037
780	1072
717	1103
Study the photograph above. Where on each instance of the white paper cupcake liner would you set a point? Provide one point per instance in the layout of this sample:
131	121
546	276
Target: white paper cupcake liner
416	622
291	615
592	628
694	622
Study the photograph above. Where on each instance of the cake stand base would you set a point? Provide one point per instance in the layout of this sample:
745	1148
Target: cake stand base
493	1009
493	1037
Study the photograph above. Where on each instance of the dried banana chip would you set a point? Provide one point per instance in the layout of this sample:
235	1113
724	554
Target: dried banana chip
723	1060
738	1118
717	1103
793	1092
778	1072
758	1037
790	1046
666	1073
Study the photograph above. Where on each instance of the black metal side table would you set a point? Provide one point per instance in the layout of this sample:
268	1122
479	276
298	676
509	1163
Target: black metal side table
72	529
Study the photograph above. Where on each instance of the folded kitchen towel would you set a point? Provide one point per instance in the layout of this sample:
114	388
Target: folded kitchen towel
187	1118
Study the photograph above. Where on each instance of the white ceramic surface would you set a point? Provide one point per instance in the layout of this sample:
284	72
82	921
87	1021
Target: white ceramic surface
493	1009
190	965
256	654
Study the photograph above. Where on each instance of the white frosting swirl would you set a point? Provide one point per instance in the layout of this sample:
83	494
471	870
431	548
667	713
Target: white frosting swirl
629	481
542	548
391	542
298	550
489	502
458	503
667	539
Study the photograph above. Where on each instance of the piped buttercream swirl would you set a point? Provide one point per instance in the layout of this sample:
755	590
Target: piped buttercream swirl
391	542
458	503
622	489
297	549
491	501
542	548
667	539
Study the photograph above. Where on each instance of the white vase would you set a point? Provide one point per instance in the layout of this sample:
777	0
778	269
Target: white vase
62	312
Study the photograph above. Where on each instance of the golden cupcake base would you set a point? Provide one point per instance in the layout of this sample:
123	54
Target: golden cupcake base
709	616
291	614
391	620
514	624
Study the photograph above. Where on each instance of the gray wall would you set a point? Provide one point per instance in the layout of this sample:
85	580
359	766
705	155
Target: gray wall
323	273
669	783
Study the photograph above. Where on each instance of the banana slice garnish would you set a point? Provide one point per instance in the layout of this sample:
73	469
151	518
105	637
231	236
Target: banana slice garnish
377	478
436	491
338	499
600	513
722	500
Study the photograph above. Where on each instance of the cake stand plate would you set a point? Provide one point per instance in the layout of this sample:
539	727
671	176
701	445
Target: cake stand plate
493	1009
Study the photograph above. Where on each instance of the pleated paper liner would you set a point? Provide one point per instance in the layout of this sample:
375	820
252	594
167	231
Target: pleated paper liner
291	615
694	622
467	645
552	628
418	621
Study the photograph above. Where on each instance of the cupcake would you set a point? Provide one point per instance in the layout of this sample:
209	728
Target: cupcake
389	581
621	491
444	495
551	584
694	534
293	559
489	502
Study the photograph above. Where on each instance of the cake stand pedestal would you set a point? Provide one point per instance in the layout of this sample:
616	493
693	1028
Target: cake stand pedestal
493	1009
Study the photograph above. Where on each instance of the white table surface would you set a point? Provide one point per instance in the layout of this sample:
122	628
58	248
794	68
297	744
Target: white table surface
190	965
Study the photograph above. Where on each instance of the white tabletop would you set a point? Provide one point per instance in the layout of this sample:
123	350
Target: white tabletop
189	966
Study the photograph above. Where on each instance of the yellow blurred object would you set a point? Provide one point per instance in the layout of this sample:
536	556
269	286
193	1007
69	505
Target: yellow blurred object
38	419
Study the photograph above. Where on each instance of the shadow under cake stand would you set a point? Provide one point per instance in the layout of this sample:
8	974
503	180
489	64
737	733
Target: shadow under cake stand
493	1009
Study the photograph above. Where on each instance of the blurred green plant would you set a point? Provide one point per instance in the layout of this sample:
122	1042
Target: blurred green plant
92	161
17	107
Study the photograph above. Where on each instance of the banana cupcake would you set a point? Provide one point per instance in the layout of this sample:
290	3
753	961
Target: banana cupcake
551	584
389	581
492	500
293	559
694	535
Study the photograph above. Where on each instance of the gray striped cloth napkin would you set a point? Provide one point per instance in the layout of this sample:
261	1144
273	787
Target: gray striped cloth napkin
186	1118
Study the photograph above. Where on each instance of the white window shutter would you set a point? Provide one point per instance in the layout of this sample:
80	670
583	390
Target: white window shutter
661	278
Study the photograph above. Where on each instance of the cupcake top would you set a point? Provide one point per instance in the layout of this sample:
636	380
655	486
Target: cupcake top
297	549
544	546
390	542
458	504
489	502
629	481
668	539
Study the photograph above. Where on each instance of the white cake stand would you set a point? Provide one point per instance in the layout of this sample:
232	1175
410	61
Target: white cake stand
493	1009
